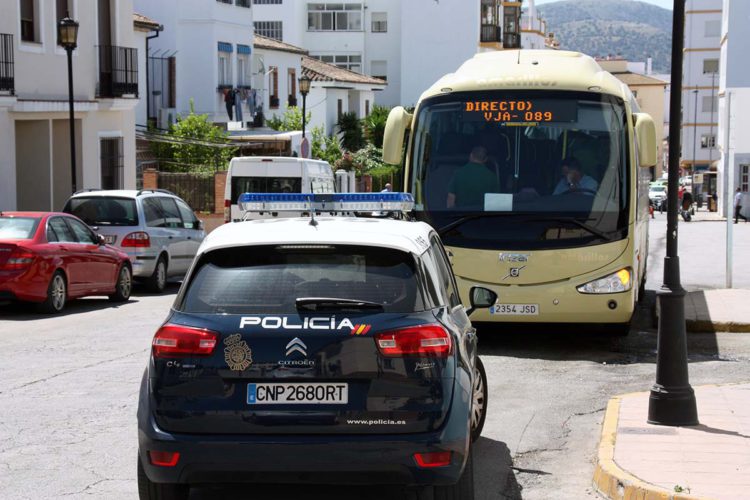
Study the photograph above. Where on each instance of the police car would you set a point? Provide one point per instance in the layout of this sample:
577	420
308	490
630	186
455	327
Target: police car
325	348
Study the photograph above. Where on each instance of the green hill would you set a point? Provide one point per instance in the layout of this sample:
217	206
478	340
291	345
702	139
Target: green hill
629	28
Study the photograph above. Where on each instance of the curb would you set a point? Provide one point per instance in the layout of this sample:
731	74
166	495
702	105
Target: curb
618	484
705	326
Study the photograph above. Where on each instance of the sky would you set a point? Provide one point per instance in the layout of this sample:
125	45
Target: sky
667	4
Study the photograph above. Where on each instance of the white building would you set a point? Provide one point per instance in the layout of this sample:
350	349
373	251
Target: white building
734	81
206	46
279	67
35	164
700	84
410	44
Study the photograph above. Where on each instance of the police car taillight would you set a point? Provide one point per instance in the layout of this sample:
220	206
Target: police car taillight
175	341
431	341
138	239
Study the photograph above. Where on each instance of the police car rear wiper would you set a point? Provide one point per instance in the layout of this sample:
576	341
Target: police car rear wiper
321	303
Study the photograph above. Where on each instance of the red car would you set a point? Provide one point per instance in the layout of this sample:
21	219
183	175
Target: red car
50	258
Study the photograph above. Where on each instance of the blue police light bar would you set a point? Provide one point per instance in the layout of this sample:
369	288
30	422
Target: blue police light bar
335	202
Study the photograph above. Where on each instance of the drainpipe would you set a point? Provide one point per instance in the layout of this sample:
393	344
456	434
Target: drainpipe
148	90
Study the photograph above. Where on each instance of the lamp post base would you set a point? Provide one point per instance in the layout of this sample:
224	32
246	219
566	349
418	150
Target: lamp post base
674	406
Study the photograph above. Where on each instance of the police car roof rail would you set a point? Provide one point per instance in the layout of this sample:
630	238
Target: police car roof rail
334	203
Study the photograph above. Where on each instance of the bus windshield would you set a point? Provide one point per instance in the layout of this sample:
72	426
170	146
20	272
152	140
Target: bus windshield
522	169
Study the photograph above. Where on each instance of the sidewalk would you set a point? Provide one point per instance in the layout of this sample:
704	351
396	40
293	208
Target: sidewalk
723	310
708	461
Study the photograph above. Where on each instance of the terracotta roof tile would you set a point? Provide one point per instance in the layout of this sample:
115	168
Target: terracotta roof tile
320	71
262	42
141	21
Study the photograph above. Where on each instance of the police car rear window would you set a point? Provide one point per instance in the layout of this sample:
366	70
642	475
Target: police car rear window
269	279
103	211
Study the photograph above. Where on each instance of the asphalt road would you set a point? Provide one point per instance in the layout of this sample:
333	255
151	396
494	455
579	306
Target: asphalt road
69	386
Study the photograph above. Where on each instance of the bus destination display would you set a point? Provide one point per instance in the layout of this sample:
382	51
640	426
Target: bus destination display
520	111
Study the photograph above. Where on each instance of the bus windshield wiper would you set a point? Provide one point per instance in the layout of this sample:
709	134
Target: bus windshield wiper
328	303
461	220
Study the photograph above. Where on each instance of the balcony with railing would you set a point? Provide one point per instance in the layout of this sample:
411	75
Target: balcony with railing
118	72
490	33
7	74
512	40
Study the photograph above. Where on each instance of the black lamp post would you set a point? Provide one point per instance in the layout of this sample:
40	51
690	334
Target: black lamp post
672	400
67	32
304	89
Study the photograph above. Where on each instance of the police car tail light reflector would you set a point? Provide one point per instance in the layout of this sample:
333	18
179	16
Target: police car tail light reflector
138	239
424	340
174	341
163	458
19	259
436	459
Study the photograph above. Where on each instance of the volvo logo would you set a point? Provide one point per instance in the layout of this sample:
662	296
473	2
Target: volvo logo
296	345
514	257
514	272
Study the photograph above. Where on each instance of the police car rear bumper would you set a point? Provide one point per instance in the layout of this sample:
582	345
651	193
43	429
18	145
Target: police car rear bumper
307	459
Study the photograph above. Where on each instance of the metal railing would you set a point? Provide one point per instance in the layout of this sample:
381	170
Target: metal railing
7	74
118	71
511	41
490	33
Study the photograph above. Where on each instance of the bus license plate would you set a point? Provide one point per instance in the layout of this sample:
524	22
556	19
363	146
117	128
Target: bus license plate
515	309
297	394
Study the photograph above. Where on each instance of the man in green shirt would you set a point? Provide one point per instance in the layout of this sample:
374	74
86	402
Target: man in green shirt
470	183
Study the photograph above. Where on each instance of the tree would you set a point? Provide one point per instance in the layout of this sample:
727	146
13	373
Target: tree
374	125
290	120
193	144
350	127
324	147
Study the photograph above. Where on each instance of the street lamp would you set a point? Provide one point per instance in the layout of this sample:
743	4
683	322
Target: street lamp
304	89
672	400
695	140
67	36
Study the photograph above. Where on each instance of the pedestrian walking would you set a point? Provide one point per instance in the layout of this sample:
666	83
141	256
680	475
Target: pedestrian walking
738	206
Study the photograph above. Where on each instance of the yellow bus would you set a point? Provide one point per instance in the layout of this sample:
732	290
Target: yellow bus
532	165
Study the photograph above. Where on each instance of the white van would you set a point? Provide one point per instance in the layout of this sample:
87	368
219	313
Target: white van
273	174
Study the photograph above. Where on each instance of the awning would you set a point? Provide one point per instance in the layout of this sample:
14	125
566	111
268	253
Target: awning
225	47
243	49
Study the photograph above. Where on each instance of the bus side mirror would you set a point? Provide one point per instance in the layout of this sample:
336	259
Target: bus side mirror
399	121
645	131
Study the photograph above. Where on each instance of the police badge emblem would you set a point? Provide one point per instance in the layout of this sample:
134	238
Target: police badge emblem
237	354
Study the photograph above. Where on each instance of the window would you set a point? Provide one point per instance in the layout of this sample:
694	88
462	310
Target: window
29	21
334	17
352	62
379	22
445	276
244	77
225	72
267	2
172	217
18	228
103	210
270	29
153	213
367	107
291	85
242	3
273	86
339	109
225	1
266	279
189	220
713	28
62	232
708	141
709	104
110	150
265	185
379	69
62	8
83	234
710	66
744	178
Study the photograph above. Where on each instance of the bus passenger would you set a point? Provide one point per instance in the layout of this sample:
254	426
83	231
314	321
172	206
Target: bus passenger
574	180
470	182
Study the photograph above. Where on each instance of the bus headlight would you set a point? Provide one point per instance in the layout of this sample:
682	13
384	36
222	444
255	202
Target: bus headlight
621	281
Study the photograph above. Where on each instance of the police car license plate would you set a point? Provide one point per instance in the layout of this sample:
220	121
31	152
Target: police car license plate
300	394
515	309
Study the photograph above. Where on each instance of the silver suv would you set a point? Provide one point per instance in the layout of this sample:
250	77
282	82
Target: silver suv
158	230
